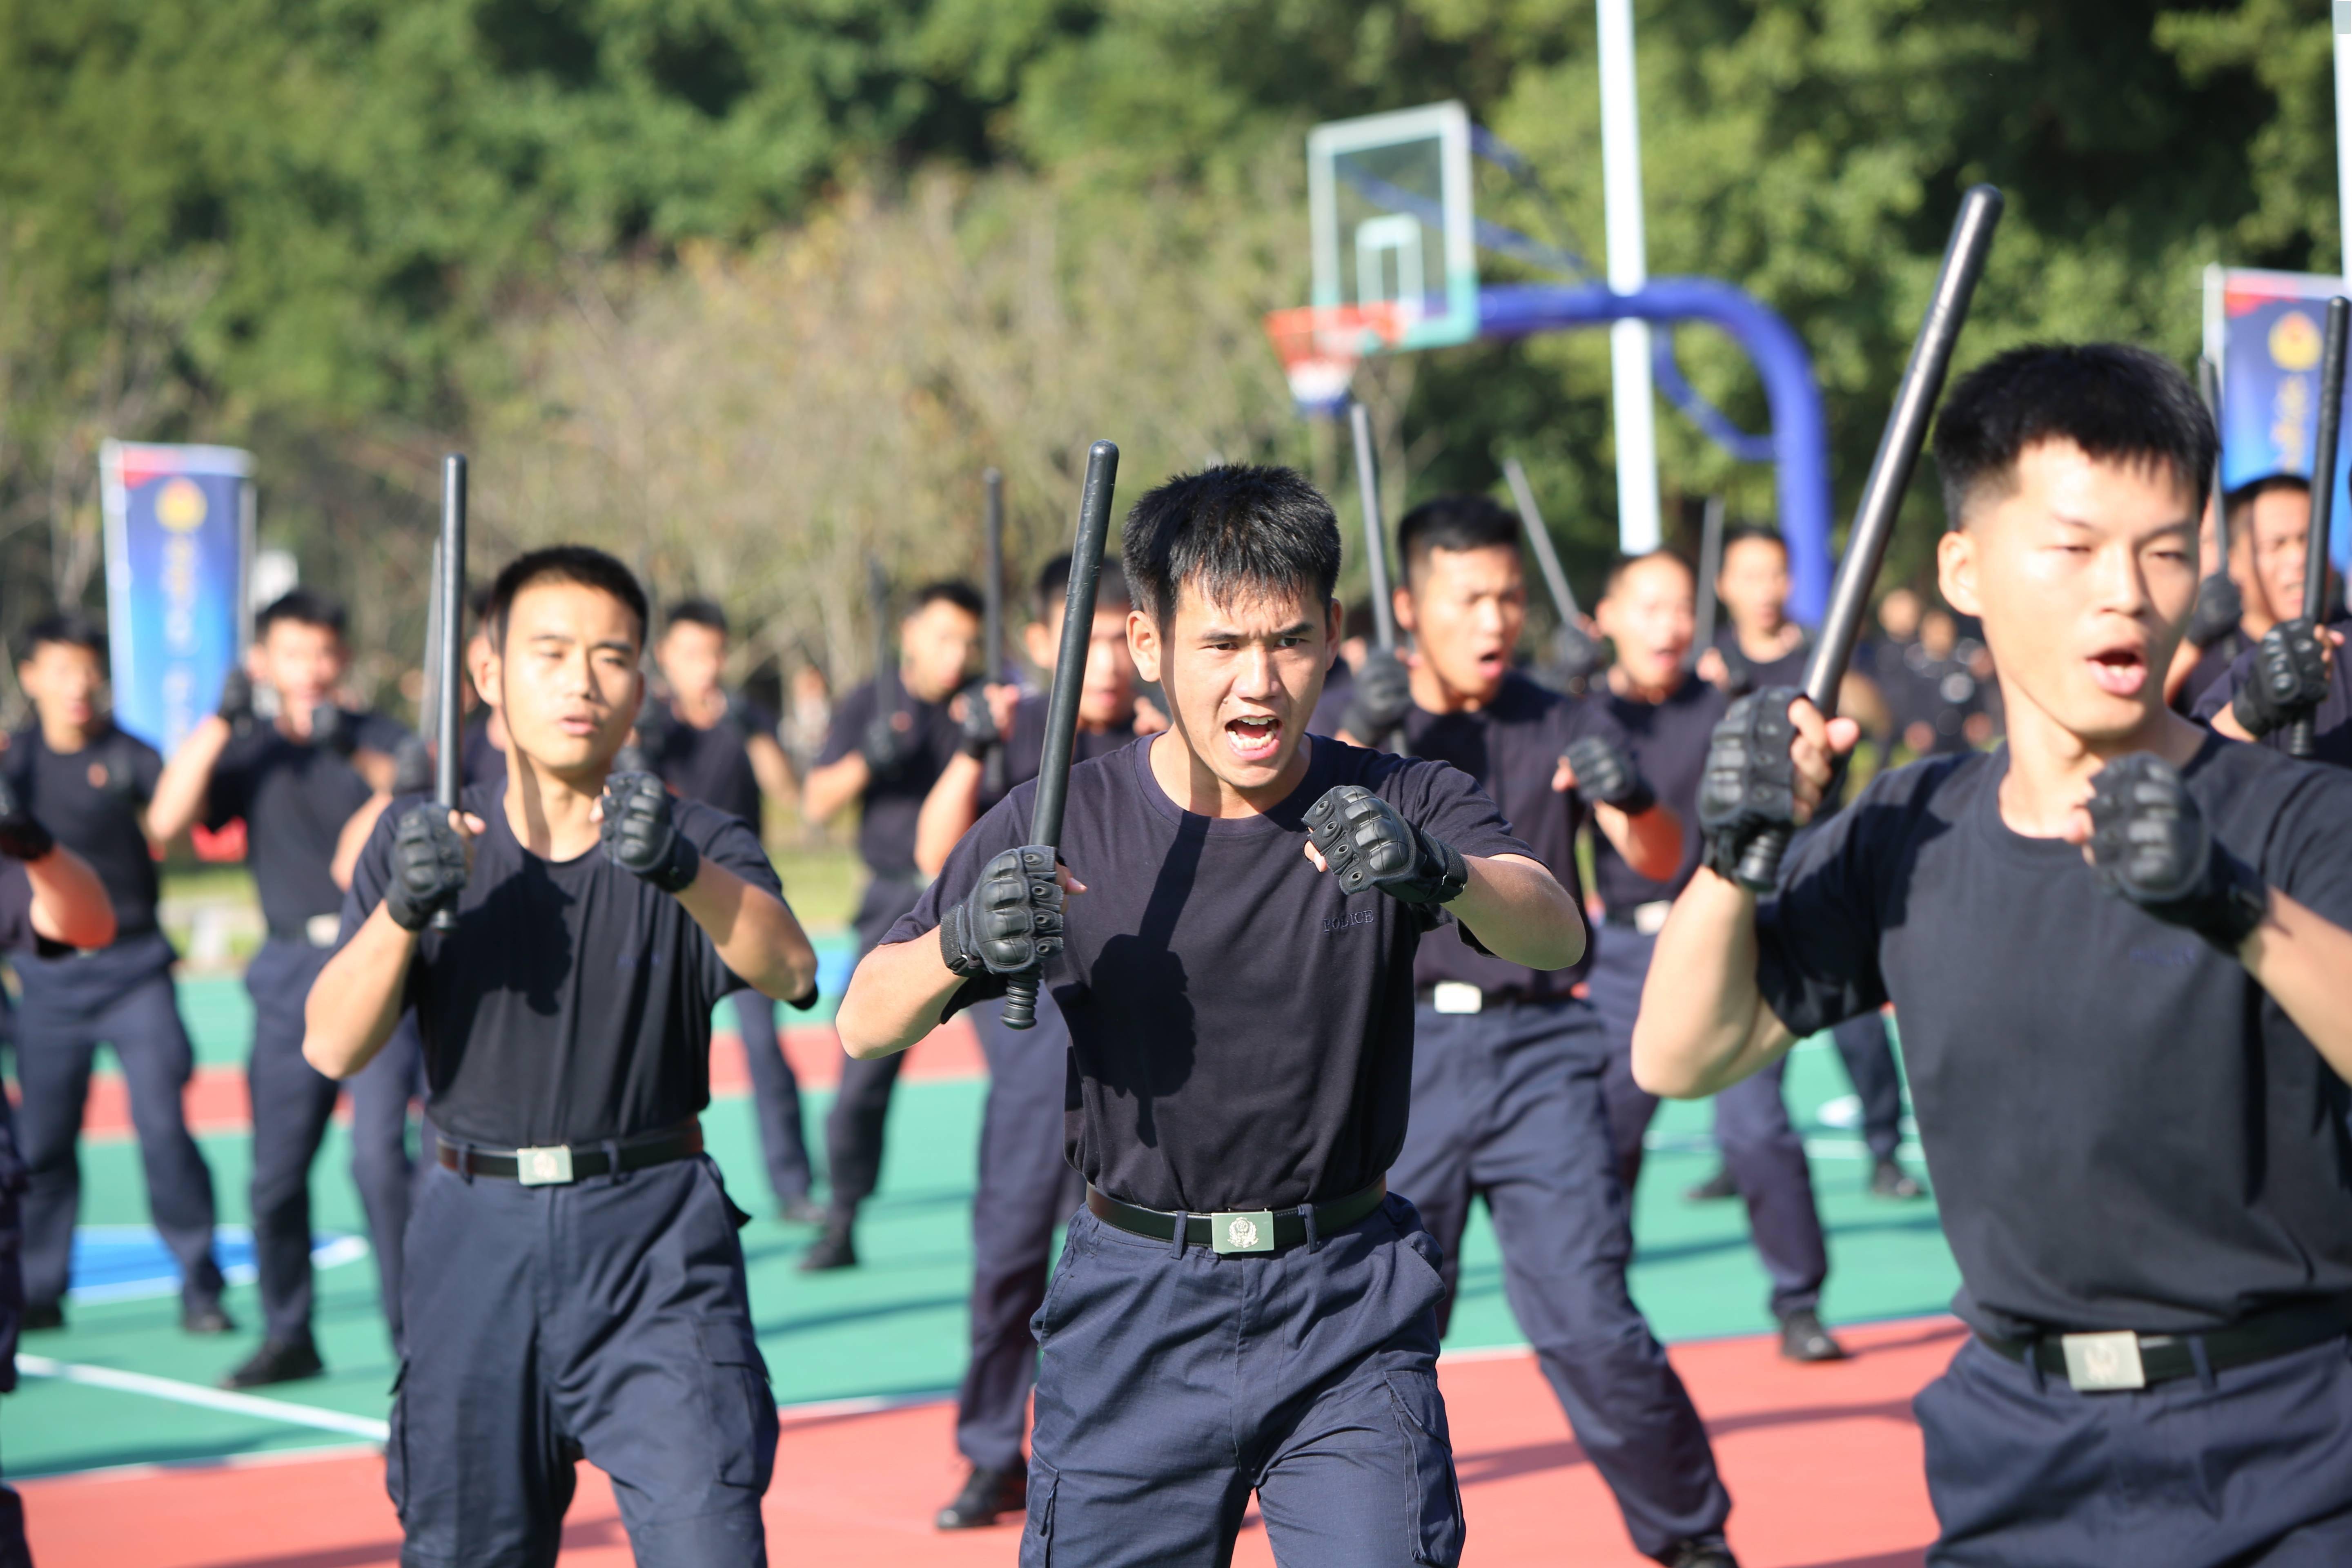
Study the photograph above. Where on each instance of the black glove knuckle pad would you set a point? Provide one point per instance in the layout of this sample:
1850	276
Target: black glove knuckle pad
2151	847
1010	920
1750	782
1367	845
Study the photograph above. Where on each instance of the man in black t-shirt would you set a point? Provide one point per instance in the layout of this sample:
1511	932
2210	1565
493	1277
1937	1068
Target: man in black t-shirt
720	747
51	902
2118	945
2269	530
890	740
296	779
1026	1187
1241	1306
2302	677
580	1291
88	782
1508	1103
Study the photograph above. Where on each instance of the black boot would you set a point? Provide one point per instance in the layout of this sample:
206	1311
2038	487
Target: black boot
1713	1190
836	1249
1802	1338
1706	1552
39	1315
1888	1179
206	1318
278	1361
986	1494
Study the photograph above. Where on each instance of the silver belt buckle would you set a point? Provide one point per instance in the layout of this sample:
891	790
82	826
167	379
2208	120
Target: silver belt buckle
1650	919
320	930
2103	1364
1454	996
544	1167
1241	1232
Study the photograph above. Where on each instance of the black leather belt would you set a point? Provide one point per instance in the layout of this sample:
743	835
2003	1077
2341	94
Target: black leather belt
1248	1230
560	1164
2097	1363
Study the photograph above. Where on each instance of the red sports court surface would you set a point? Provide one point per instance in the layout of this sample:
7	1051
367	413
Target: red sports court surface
1823	1464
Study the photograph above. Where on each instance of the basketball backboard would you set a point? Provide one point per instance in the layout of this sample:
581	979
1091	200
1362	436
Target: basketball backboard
1390	211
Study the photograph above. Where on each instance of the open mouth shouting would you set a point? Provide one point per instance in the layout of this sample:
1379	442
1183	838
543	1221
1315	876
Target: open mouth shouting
1254	738
2120	670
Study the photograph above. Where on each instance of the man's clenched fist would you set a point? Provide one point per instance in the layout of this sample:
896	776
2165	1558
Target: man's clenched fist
428	866
1011	921
1381	698
641	835
2288	681
2150	844
1605	773
1366	844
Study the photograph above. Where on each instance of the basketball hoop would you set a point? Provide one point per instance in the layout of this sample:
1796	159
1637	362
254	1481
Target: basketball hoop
1320	345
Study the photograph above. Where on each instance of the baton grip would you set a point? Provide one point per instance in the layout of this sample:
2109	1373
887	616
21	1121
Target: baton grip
2302	738
1021	1001
1759	864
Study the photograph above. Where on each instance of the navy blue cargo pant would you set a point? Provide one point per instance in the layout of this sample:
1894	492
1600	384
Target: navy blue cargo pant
2254	1469
13	1551
775	1099
1869	1057
121	996
1026	1188
853	1129
1507	1107
606	1320
1172	1383
292	1103
1761	1149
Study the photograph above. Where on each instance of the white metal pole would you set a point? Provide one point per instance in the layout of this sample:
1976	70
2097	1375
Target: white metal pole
1629	340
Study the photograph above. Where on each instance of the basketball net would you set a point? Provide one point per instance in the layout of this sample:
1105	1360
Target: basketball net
1320	346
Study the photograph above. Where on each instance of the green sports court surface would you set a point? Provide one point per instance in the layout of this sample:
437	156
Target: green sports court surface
890	1330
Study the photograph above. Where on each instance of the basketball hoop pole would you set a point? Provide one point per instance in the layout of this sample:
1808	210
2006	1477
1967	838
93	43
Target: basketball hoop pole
1635	409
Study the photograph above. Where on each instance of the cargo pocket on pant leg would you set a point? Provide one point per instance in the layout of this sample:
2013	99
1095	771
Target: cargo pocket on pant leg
742	1412
396	1447
1037	1533
1434	1503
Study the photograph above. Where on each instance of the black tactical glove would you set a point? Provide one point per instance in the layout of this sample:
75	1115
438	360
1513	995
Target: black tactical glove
2150	844
1011	921
980	732
1366	844
1750	782
428	866
2220	608
21	837
332	730
743	716
1738	674
885	746
1381	698
236	700
1149	691
412	767
120	773
1605	774
641	837
1578	653
2288	680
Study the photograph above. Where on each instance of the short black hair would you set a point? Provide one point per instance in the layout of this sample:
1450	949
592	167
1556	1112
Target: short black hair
1245	528
580	563
955	591
2246	494
1054	586
2118	403
1624	563
304	609
67	628
1741	532
1455	523
698	612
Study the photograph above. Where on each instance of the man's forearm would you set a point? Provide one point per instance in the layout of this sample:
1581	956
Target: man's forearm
1703	1024
895	997
69	903
2304	962
755	932
179	797
358	998
948	813
833	787
1650	842
1520	913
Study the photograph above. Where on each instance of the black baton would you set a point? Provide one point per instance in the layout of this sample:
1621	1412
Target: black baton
877	603
993	625
449	593
1069	681
2301	734
1890	477
1376	549
1710	567
2209	382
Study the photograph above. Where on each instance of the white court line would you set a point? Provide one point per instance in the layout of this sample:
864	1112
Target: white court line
181	1392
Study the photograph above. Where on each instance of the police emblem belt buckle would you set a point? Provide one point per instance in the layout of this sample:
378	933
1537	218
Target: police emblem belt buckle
1241	1232
544	1167
2103	1364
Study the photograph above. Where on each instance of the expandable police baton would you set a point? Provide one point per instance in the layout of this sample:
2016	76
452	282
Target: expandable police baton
1069	683
886	674
992	623
2209	382
449	597
2301	734
1710	567
1523	495
1890	477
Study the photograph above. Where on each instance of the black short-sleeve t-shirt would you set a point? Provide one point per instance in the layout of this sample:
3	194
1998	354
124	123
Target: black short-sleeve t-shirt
92	800
1668	742
1024	747
16	934
1789	670
2124	1130
573	1003
1512	747
295	798
714	765
2213	664
2331	739
1241	1029
886	831
478	757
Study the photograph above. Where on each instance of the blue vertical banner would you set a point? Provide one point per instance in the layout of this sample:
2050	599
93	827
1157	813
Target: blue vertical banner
2264	329
179	543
